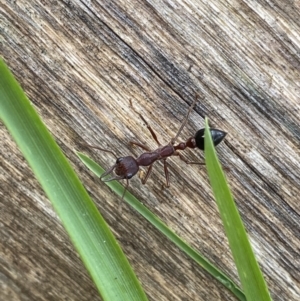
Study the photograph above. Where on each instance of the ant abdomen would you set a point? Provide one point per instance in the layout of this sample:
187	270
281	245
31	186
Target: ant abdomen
216	135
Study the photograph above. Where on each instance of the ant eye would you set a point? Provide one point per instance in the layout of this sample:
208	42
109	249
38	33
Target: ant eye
119	160
129	175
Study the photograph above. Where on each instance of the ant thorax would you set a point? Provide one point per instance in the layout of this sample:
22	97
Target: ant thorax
148	158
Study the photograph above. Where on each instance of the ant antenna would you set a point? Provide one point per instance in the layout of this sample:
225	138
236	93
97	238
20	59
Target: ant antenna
102	149
110	170
185	119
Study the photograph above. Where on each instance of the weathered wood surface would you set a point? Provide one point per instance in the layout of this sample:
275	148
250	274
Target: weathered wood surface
81	62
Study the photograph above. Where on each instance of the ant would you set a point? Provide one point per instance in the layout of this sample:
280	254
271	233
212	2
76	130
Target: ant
127	167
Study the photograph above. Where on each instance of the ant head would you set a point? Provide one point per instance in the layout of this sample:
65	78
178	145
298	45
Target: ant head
126	167
216	135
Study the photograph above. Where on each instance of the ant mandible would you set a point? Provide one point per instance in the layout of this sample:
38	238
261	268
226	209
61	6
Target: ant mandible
127	167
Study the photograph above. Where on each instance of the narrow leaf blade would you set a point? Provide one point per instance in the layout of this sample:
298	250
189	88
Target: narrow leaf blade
250	274
90	234
165	230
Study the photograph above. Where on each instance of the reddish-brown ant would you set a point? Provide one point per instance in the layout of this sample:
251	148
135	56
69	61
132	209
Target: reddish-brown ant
127	167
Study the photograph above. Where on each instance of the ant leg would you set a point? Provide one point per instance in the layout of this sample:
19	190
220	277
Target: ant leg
120	202
147	174
126	187
198	163
97	147
147	124
185	119
187	161
151	130
166	173
144	147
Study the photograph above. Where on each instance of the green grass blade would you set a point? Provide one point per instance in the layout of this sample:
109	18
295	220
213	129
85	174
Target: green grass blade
158	224
90	234
250	274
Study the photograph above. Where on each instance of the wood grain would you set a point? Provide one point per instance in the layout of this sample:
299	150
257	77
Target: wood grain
82	62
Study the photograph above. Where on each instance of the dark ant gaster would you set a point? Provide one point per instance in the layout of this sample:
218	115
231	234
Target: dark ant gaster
127	167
